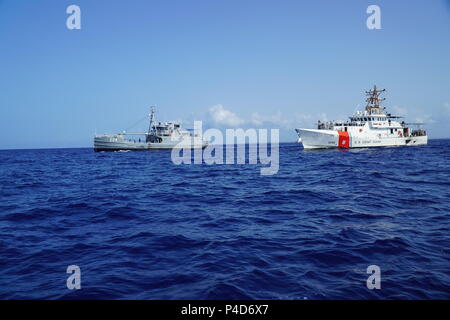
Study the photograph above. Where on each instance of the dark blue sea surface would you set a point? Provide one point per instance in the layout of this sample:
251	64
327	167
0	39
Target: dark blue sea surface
140	227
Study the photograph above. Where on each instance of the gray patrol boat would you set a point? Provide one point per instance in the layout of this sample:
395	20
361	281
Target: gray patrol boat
160	135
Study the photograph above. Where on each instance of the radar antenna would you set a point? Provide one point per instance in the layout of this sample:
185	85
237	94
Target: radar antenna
374	101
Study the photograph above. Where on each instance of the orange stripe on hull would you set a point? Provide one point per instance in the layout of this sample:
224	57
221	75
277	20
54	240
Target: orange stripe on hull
344	139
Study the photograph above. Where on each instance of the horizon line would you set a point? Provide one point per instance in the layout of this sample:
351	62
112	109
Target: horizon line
91	147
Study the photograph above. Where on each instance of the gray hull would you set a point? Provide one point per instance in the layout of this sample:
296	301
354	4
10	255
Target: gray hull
118	143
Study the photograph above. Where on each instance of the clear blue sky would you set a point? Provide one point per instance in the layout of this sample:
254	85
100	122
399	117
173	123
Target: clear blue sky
264	63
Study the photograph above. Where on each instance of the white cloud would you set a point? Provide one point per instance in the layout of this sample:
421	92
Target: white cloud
222	116
447	108
303	120
399	111
323	117
302	117
258	119
290	121
426	119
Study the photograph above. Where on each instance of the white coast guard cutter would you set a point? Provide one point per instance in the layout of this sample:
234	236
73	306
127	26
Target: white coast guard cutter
369	128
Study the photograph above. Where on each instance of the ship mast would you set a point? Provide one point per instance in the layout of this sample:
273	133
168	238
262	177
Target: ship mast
151	127
374	101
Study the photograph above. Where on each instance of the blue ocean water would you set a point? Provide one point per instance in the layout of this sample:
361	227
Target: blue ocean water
140	227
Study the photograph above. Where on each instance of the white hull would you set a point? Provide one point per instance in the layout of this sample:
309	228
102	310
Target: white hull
369	128
319	139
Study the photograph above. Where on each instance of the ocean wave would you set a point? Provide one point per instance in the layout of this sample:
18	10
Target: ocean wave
140	227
